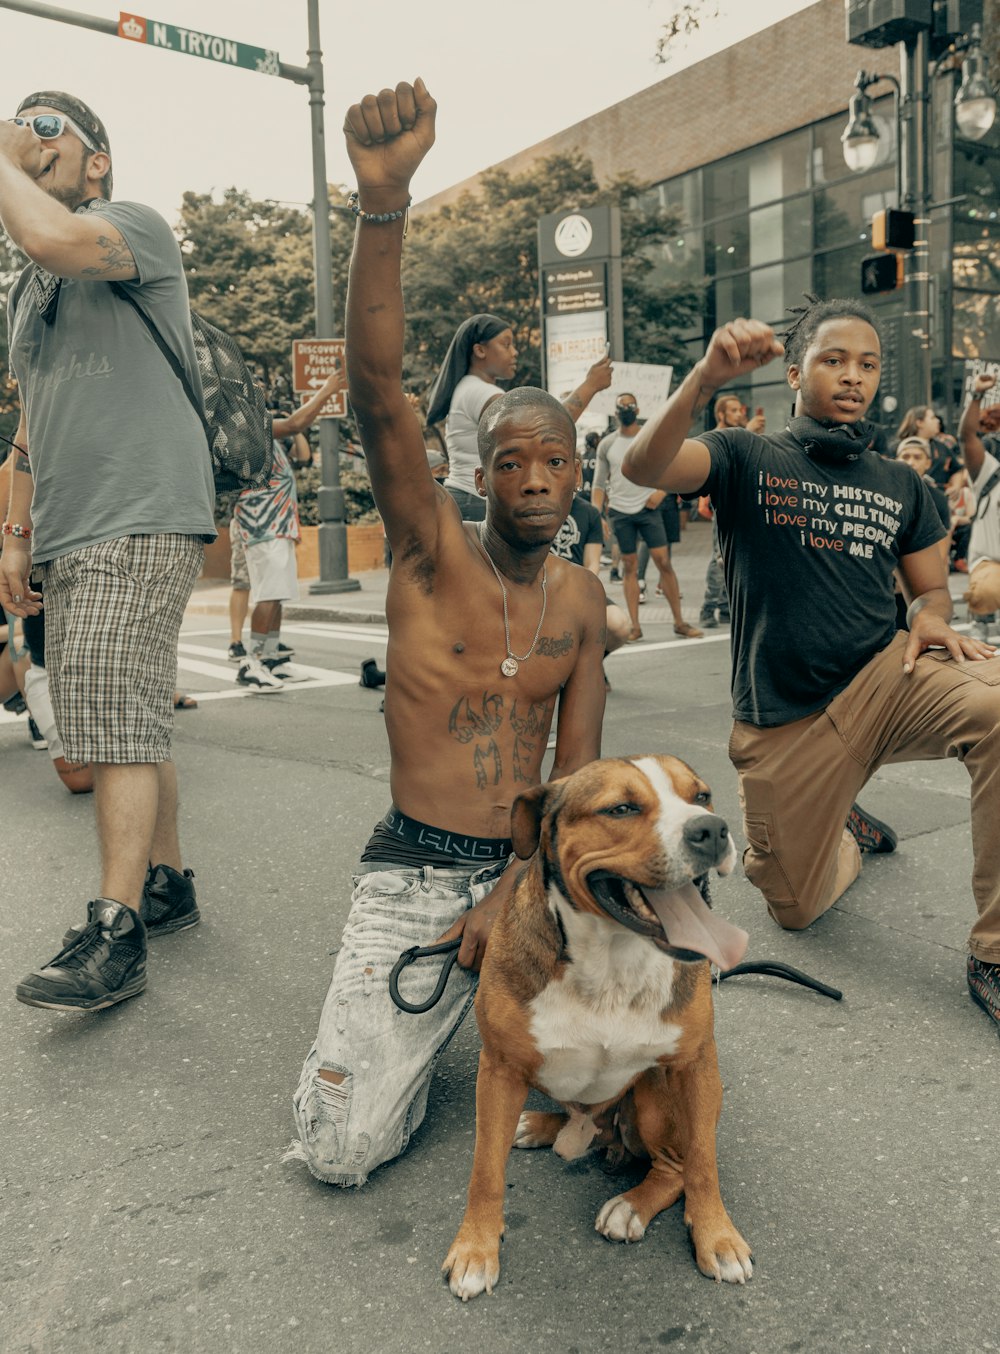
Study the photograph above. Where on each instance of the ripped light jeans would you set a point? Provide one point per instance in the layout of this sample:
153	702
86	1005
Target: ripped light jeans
386	1056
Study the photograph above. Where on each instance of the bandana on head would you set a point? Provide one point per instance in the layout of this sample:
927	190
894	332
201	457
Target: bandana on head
74	108
478	329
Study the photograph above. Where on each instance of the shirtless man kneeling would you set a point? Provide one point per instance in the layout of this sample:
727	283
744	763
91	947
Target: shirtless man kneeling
485	632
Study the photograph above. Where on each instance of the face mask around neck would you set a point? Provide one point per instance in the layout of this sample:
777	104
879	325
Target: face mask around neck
836	445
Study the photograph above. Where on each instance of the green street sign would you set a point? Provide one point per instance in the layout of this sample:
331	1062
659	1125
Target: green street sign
192	42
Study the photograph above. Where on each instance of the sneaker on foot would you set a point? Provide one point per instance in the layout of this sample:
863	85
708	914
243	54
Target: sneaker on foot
168	903
371	674
724	616
687	631
237	653
984	985
285	650
707	619
281	667
871	835
255	677
38	739
104	964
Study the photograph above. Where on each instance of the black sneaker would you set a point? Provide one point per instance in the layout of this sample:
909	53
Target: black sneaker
708	621
285	650
38	739
15	704
984	986
372	675
168	903
104	964
237	652
871	835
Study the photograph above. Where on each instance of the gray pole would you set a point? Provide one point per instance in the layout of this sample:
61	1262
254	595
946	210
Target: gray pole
917	347
332	534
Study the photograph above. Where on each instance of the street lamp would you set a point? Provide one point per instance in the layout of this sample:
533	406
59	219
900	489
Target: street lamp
921	29
975	102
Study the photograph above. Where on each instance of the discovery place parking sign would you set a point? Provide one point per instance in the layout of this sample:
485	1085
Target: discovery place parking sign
192	42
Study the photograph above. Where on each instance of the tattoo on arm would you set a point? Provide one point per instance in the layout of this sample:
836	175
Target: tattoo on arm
703	400
22	463
549	647
117	258
573	405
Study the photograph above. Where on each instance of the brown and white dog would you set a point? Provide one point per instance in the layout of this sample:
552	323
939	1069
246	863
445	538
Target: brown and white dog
596	989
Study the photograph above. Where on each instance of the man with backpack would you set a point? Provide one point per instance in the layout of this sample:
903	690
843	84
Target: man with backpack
111	505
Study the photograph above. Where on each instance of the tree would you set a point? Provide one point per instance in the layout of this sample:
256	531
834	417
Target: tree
249	268
480	254
686	19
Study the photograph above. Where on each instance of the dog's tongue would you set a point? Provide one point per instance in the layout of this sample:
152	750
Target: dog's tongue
691	924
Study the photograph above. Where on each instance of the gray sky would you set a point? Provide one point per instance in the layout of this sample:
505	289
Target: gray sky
504	76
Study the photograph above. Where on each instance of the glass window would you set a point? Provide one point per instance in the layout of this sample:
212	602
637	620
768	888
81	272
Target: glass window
732	298
682	196
774	290
727	245
975	324
838	272
844	213
779	168
727	186
976	255
780	231
977	176
681	258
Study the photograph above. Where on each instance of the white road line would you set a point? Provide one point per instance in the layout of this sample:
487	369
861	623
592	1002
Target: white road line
360	634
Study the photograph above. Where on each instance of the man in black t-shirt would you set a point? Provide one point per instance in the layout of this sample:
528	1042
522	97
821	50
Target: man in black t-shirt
813	524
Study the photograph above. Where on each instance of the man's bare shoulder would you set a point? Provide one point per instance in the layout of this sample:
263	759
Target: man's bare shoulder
579	583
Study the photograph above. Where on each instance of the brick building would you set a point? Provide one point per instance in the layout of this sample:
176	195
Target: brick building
746	146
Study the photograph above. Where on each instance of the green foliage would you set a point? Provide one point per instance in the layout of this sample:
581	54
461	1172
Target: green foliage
480	254
249	268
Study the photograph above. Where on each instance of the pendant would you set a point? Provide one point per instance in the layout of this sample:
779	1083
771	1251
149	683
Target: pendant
509	666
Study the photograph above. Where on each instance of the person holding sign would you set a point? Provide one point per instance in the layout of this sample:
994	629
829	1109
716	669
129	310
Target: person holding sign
813	524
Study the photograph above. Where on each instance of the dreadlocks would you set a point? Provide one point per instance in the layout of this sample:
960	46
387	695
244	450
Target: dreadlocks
809	318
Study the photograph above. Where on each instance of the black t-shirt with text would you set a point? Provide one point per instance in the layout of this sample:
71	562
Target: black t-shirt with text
809	550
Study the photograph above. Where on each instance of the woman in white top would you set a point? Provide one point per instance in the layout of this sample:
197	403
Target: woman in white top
481	354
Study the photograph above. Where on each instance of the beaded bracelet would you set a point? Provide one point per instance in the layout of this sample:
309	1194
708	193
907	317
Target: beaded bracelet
377	218
15	529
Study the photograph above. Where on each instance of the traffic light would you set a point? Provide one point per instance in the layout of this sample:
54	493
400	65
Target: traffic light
893	229
881	272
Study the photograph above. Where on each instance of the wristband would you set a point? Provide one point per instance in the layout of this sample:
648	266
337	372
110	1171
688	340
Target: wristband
914	610
377	218
15	529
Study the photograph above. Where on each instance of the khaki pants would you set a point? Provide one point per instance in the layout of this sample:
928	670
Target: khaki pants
798	781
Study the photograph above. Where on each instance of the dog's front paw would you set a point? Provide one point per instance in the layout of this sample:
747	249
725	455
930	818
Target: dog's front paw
619	1221
472	1266
722	1254
536	1128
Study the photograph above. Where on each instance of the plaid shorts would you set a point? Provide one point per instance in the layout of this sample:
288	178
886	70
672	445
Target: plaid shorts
113	614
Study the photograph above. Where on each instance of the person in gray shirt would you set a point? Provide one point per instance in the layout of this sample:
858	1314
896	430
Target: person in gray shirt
111	504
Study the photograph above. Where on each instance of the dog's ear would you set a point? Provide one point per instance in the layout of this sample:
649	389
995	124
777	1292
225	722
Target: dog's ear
526	816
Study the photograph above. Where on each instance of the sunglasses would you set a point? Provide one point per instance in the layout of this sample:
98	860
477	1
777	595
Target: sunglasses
47	126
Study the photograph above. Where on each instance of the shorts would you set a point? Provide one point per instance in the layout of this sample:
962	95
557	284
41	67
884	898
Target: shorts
671	514
983	595
273	575
628	526
239	578
113	614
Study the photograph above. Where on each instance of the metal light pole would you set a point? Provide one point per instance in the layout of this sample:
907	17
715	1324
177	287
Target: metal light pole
332	533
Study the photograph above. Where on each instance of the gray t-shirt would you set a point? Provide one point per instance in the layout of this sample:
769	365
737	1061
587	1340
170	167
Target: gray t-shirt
623	495
116	448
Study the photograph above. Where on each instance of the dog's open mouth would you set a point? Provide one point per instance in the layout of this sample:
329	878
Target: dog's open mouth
678	920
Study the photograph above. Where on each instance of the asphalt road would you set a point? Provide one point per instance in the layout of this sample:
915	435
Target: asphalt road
146	1206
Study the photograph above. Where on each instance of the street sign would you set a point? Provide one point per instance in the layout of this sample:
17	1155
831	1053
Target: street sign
312	362
570	290
192	42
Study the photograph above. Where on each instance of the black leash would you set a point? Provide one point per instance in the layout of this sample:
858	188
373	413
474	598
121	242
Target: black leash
770	968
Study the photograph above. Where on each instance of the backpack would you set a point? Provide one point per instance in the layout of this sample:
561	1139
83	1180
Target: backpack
235	418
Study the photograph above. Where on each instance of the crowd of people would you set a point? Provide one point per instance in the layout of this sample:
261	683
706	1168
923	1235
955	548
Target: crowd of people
844	655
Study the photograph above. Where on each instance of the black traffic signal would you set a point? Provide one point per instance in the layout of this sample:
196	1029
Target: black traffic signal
881	272
892	229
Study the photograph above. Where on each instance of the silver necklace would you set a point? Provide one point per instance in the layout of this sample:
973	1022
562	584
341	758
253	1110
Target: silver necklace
511	663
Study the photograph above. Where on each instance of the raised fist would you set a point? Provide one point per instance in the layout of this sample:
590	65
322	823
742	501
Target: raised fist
739	347
387	135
